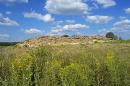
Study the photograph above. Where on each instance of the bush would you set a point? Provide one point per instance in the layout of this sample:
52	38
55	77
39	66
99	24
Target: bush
65	36
21	70
111	35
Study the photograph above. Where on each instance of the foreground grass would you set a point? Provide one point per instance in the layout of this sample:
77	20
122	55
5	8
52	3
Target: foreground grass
105	64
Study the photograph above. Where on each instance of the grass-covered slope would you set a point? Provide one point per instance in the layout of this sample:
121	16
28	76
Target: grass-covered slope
104	64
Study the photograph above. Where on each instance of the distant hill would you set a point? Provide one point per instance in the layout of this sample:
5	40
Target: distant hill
56	40
8	43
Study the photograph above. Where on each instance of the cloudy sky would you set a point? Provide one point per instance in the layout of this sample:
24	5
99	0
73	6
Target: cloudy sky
23	19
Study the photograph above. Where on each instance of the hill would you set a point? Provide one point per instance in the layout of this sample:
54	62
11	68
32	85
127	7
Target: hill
53	40
8	43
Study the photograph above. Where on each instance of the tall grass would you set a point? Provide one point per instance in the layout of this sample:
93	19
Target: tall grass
66	65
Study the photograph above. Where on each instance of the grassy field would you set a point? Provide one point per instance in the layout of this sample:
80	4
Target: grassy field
99	64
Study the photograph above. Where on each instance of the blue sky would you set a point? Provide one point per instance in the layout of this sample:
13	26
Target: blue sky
23	19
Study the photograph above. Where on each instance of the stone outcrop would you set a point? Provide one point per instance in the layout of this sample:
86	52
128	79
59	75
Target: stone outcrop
51	40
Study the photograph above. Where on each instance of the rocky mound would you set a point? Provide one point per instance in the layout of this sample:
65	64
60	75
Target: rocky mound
51	40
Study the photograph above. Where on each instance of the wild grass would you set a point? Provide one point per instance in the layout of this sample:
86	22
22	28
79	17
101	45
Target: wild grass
103	64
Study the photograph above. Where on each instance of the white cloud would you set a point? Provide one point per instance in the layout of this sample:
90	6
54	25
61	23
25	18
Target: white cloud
48	18
7	22
1	14
102	30
69	27
32	31
122	17
73	27
13	1
8	12
66	7
122	23
121	26
45	18
63	22
4	36
99	19
70	21
106	3
127	10
57	30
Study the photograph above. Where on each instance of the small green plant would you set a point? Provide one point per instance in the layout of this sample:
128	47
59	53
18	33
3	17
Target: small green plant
21	70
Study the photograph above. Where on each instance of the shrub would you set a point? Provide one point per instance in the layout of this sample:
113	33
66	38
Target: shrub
65	36
21	70
111	35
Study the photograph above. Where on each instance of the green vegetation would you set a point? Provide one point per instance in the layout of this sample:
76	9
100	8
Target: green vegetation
104	64
65	36
120	42
8	43
111	35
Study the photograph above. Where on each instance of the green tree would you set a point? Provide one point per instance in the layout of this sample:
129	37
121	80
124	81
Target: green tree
111	35
65	36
